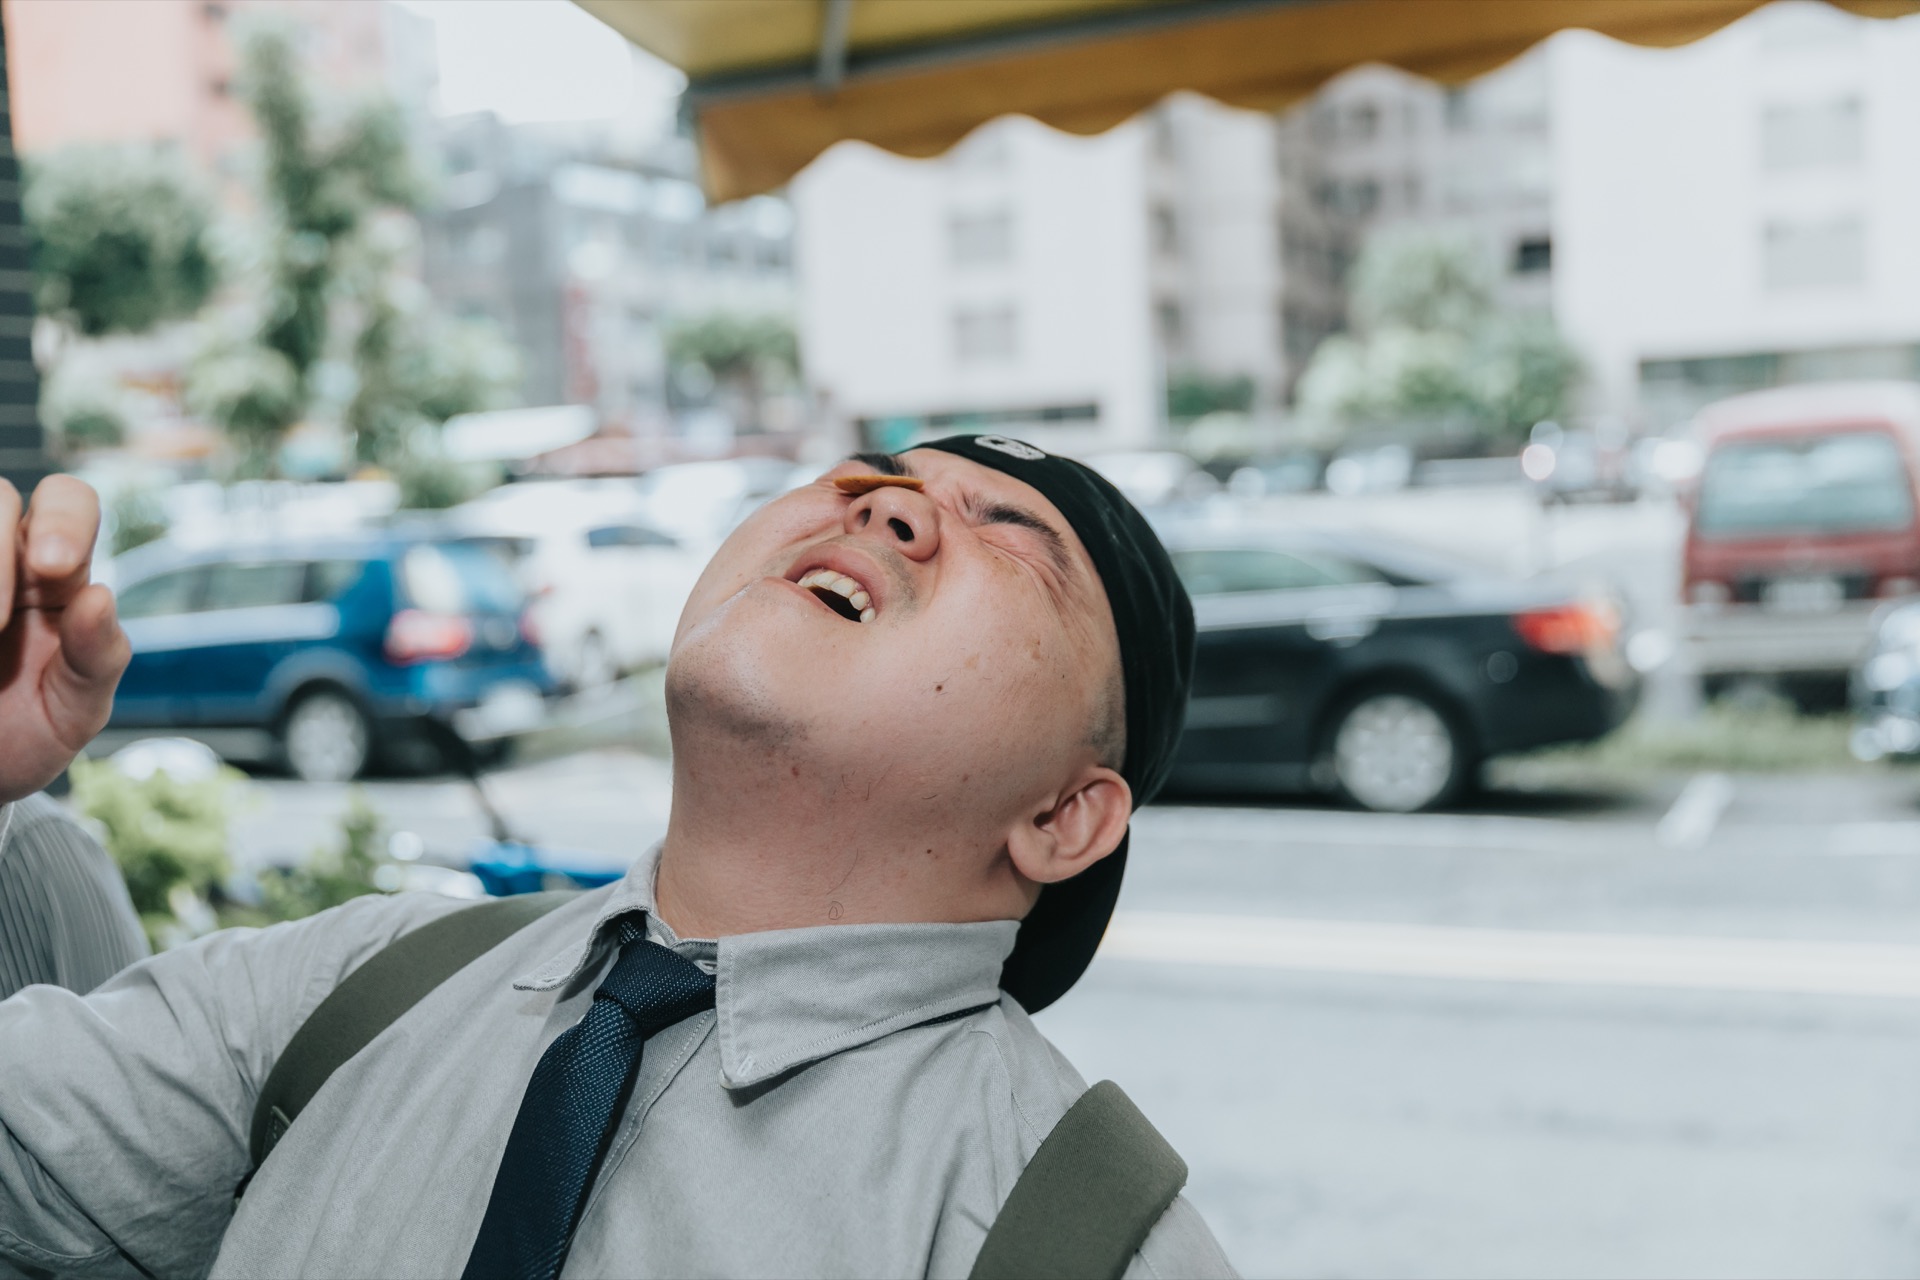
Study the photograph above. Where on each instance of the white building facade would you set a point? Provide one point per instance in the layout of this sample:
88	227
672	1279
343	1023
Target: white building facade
1738	213
1003	287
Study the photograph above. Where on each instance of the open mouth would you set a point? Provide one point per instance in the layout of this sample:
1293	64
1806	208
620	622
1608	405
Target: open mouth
839	593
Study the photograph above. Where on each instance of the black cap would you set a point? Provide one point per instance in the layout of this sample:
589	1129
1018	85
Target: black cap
1154	620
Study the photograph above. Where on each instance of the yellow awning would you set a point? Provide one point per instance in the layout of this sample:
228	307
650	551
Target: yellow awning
773	83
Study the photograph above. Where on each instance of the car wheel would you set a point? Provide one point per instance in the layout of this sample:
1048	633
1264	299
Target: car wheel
326	738
1395	752
595	667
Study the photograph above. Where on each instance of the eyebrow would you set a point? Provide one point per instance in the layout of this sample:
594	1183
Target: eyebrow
883	464
988	511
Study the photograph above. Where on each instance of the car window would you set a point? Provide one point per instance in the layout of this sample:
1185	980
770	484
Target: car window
451	577
1231	570
255	586
1843	482
627	535
160	596
328	580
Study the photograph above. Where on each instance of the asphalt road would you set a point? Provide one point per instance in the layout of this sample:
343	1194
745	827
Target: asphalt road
1666	1028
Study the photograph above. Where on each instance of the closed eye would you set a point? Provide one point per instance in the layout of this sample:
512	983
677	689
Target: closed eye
984	511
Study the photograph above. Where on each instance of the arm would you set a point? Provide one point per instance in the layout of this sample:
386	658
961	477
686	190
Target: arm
124	1120
65	917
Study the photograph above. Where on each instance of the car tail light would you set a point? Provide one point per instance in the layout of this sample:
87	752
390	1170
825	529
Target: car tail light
1568	628
530	628
1707	591
417	636
1894	588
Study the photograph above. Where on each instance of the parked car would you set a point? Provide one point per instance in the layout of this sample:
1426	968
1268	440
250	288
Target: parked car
607	587
1886	688
699	503
326	653
1802	524
1355	664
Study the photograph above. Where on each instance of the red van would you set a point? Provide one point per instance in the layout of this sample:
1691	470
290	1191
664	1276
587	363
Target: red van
1802	523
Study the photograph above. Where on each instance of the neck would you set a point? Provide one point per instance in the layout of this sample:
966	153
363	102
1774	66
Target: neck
766	837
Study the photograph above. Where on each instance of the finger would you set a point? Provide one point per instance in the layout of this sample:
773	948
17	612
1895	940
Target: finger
61	524
94	651
9	544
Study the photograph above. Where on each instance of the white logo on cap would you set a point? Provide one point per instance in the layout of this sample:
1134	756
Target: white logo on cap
1012	448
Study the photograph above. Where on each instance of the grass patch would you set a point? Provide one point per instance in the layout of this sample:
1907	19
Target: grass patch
1725	736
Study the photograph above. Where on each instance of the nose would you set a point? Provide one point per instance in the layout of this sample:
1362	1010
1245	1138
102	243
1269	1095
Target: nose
903	518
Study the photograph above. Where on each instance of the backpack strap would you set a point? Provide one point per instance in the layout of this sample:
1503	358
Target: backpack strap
373	997
1086	1201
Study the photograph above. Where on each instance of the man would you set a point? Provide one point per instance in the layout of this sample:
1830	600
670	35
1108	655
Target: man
911	707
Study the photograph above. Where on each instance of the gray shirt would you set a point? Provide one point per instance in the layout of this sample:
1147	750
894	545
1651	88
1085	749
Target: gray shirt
65	917
859	1102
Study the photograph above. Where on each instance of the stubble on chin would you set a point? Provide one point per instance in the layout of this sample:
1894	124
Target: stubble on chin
707	700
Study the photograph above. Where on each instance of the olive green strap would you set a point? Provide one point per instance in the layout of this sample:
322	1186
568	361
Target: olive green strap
1086	1201
373	997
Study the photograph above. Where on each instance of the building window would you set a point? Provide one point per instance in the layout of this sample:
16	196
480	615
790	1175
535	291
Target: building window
986	335
1808	135
976	239
1533	256
1815	255
1363	122
1171	324
1165	229
1459	110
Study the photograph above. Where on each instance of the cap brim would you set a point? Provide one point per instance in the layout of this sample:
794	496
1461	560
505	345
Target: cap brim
1059	936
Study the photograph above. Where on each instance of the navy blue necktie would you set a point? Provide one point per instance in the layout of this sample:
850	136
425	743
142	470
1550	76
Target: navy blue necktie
576	1096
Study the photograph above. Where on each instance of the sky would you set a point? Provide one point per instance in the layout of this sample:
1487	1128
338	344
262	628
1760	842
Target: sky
535	60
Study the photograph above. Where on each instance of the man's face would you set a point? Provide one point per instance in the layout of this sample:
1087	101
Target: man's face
974	682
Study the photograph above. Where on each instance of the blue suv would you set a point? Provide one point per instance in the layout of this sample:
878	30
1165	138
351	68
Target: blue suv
328	654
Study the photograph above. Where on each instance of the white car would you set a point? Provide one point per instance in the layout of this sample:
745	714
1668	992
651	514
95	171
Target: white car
607	587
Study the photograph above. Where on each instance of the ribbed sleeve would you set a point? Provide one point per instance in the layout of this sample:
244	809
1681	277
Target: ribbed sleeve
65	917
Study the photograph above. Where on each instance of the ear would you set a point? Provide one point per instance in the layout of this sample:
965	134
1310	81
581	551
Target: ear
1083	826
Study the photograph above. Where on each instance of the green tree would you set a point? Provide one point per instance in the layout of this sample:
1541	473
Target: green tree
324	182
81	411
330	877
254	394
169	838
415	369
1431	351
120	239
1191	394
746	354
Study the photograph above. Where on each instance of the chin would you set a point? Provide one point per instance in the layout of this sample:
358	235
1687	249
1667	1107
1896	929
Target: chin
737	672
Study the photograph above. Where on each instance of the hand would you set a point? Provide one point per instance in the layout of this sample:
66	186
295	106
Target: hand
61	646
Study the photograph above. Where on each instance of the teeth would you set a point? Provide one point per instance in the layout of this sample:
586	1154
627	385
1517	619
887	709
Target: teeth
840	584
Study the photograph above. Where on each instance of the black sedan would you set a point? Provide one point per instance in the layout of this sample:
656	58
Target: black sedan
1355	664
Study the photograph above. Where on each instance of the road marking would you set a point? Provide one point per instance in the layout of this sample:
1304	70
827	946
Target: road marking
1868	839
1514	955
1696	813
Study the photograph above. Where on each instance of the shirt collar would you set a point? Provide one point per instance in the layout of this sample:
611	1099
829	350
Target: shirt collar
787	997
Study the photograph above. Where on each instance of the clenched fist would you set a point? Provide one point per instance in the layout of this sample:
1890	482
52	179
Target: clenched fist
61	646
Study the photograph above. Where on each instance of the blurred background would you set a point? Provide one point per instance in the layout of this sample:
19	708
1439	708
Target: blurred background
1539	890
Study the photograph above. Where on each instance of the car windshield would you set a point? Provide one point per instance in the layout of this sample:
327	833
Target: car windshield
1846	482
450	577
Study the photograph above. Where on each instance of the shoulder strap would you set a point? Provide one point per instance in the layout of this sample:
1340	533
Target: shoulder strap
373	997
1088	1198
